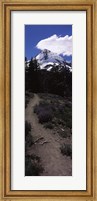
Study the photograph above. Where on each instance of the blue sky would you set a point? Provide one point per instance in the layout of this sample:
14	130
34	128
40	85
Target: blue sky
35	35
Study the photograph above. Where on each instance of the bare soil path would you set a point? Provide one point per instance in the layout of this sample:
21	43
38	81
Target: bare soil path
47	145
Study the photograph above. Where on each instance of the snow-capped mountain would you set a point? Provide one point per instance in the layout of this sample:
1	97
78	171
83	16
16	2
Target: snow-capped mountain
48	60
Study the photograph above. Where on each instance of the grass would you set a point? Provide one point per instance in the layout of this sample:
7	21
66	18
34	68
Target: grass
66	149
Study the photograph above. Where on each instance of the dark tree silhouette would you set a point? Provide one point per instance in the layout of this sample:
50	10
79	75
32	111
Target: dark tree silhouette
25	58
55	81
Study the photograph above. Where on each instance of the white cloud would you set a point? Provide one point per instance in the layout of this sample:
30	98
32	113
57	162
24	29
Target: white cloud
57	44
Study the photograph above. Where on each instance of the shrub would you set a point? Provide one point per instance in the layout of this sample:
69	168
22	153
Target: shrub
34	157
69	123
45	116
44	112
64	114
28	136
56	109
32	166
66	149
27	97
37	109
27	128
49	125
65	133
61	108
26	102
29	140
32	95
27	94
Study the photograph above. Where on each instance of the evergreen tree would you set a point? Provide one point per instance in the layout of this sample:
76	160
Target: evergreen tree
25	58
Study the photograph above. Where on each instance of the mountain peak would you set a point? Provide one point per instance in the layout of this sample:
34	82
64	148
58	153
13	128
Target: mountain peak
47	54
46	51
49	61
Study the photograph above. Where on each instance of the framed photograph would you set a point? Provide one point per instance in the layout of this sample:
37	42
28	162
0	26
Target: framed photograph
48	100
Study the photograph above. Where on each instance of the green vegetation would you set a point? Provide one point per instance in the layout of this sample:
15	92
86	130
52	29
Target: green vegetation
53	112
49	125
41	81
44	112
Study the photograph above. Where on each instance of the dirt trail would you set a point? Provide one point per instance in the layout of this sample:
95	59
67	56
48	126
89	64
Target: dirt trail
47	145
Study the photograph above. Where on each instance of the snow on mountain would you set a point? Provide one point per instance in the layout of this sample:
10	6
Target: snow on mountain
48	56
27	63
49	60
